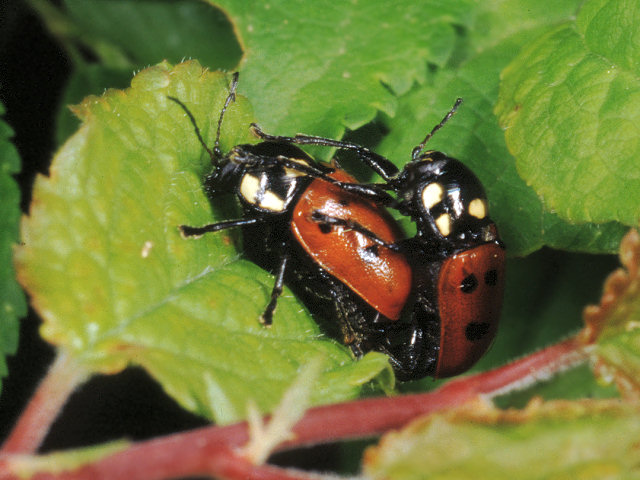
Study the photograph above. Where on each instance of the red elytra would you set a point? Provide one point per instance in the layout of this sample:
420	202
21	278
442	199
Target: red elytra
382	279
470	290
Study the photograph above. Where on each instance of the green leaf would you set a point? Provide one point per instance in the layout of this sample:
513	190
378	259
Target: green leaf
127	36
86	80
569	103
587	440
146	32
574	384
12	302
322	66
474	136
115	282
358	71
544	298
613	325
517	21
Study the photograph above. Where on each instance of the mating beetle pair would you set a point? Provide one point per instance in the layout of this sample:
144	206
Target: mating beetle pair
430	302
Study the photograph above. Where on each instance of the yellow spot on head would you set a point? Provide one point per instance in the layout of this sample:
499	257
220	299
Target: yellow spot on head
249	187
272	202
443	222
432	195
478	208
426	156
290	172
301	161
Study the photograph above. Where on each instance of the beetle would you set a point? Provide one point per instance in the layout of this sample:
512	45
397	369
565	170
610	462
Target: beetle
457	257
341	272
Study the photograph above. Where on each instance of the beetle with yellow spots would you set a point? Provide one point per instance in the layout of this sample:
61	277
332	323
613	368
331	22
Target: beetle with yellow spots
430	302
340	273
457	258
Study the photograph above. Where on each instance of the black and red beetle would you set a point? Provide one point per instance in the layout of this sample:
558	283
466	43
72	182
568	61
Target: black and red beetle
339	272
457	258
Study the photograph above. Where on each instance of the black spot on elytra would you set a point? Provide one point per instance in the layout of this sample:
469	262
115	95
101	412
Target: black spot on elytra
324	227
491	277
343	202
469	284
476	331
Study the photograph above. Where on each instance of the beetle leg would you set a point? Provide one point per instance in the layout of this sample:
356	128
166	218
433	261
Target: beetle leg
267	316
372	192
378	163
188	231
323	219
351	321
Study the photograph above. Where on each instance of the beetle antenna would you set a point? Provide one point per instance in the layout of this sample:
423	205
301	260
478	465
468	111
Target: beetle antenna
230	98
416	151
193	122
216	153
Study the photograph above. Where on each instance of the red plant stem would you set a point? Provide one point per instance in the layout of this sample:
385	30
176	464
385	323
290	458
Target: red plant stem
195	460
63	377
523	372
210	450
373	416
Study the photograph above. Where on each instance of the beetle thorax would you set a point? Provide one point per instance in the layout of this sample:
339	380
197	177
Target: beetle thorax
271	187
444	197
